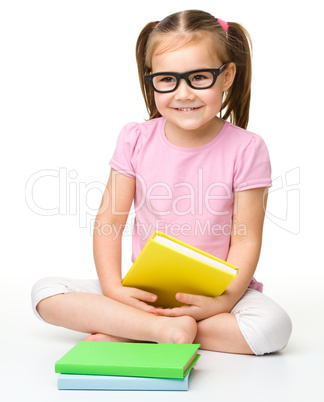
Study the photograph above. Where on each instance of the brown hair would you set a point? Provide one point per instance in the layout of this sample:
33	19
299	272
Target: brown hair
186	26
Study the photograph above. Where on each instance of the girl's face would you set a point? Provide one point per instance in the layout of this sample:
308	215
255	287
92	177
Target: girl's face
187	108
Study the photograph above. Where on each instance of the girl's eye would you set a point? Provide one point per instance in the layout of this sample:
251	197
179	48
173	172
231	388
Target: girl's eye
164	82
167	79
202	79
198	77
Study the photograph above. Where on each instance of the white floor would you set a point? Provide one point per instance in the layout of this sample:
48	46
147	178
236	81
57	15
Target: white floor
30	349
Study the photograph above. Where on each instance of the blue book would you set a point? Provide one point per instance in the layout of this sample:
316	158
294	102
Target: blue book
114	383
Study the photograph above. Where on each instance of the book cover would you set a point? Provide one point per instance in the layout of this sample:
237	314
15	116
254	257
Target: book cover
129	359
167	266
114	383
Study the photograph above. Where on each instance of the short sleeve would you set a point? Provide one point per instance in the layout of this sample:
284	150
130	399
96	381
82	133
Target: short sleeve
252	168
124	156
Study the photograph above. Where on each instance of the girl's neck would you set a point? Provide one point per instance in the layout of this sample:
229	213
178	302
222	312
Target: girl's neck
193	138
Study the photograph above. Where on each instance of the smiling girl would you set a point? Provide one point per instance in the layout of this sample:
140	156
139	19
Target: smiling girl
188	171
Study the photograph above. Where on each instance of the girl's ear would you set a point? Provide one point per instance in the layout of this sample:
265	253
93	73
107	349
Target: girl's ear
229	75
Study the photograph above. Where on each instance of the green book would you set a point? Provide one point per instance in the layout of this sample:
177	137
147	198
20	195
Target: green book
152	360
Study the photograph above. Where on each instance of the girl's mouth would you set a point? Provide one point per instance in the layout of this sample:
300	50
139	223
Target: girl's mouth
187	109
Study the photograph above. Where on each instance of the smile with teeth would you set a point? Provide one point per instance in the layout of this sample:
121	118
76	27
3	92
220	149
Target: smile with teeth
186	109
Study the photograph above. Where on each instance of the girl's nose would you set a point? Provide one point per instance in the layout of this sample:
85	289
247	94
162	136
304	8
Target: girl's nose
184	91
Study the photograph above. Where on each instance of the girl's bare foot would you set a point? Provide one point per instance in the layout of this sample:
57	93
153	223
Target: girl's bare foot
106	338
176	330
166	330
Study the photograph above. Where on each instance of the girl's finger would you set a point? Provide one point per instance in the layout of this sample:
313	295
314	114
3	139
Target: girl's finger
145	296
143	306
187	298
174	312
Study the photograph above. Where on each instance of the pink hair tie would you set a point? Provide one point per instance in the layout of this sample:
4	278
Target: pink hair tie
157	25
224	24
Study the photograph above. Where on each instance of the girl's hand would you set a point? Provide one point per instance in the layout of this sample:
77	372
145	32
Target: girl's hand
133	297
198	307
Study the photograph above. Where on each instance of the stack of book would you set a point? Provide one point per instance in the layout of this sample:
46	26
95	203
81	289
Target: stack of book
127	366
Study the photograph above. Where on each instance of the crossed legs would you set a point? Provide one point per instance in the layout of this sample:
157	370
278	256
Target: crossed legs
256	325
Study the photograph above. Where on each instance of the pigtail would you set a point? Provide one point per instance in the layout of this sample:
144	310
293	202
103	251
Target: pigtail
143	68
237	101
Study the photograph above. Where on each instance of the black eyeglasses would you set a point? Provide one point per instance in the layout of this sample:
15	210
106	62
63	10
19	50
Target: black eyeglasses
197	79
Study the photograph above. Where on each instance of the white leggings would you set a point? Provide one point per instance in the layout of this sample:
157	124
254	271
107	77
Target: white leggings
265	326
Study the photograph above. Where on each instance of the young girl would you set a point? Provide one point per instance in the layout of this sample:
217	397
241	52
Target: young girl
192	175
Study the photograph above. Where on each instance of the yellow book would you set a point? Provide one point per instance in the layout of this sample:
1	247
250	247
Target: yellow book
167	266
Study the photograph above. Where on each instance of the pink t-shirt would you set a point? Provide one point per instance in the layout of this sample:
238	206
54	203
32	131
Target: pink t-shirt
188	193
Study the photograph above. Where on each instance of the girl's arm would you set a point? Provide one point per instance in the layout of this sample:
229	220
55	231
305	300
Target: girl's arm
246	239
107	241
244	252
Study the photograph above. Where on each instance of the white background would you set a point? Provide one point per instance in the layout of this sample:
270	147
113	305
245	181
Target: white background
68	83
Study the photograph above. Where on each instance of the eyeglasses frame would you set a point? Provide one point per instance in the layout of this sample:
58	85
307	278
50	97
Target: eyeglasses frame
215	71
